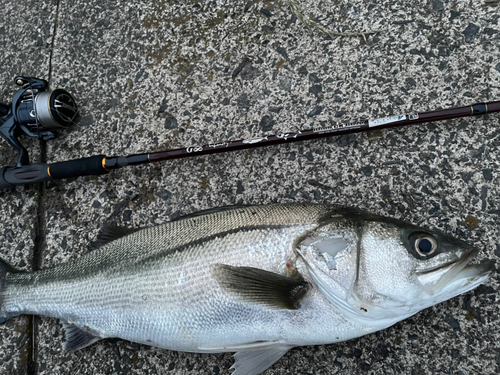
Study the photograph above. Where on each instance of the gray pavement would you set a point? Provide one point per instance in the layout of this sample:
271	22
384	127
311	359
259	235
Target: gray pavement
165	74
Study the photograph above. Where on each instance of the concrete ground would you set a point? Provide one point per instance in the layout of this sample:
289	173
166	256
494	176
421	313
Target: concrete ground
154	75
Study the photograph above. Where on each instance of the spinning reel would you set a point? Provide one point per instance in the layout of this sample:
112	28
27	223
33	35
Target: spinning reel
36	111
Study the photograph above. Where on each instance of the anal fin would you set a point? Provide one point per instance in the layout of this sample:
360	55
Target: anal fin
76	338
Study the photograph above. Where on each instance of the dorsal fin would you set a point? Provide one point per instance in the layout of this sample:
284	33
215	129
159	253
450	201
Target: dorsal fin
111	233
6	267
260	286
76	338
209	211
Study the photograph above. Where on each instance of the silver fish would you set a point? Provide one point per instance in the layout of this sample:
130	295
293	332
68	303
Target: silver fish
255	280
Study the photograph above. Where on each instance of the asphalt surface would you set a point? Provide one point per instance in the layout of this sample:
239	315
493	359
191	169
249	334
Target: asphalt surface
165	74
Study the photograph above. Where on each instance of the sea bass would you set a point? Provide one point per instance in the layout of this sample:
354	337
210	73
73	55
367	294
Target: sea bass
254	280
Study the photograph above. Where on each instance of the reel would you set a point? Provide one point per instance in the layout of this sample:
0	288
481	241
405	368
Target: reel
36	111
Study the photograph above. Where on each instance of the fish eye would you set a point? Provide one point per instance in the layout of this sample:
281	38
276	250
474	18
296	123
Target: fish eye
424	244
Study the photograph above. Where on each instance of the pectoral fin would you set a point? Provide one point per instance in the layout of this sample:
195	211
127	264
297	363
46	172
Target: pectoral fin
262	287
76	338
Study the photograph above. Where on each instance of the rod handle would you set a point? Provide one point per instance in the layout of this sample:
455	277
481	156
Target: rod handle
11	177
91	166
27	174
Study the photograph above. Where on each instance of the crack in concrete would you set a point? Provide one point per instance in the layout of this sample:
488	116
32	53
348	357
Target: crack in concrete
40	230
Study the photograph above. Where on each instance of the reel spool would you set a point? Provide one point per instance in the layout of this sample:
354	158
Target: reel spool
36	111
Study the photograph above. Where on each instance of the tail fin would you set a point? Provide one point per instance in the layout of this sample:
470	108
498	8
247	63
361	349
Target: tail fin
4	269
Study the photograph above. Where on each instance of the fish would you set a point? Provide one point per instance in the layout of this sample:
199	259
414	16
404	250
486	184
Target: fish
253	280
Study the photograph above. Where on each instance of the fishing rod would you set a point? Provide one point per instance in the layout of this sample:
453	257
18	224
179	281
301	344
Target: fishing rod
101	164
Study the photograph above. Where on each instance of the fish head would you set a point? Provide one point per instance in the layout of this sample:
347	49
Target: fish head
387	270
412	268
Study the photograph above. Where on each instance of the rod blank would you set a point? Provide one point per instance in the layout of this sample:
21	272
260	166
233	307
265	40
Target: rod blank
386	122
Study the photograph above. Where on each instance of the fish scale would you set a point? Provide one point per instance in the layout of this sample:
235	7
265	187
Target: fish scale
253	280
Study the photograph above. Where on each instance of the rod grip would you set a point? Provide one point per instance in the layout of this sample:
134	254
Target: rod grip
10	177
93	165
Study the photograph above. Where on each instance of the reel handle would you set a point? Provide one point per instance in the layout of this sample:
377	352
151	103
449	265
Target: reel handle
27	174
35	83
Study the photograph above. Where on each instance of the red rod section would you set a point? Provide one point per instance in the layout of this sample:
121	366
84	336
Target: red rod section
339	129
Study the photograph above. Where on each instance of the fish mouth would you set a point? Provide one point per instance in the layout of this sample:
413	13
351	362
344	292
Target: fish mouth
457	276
